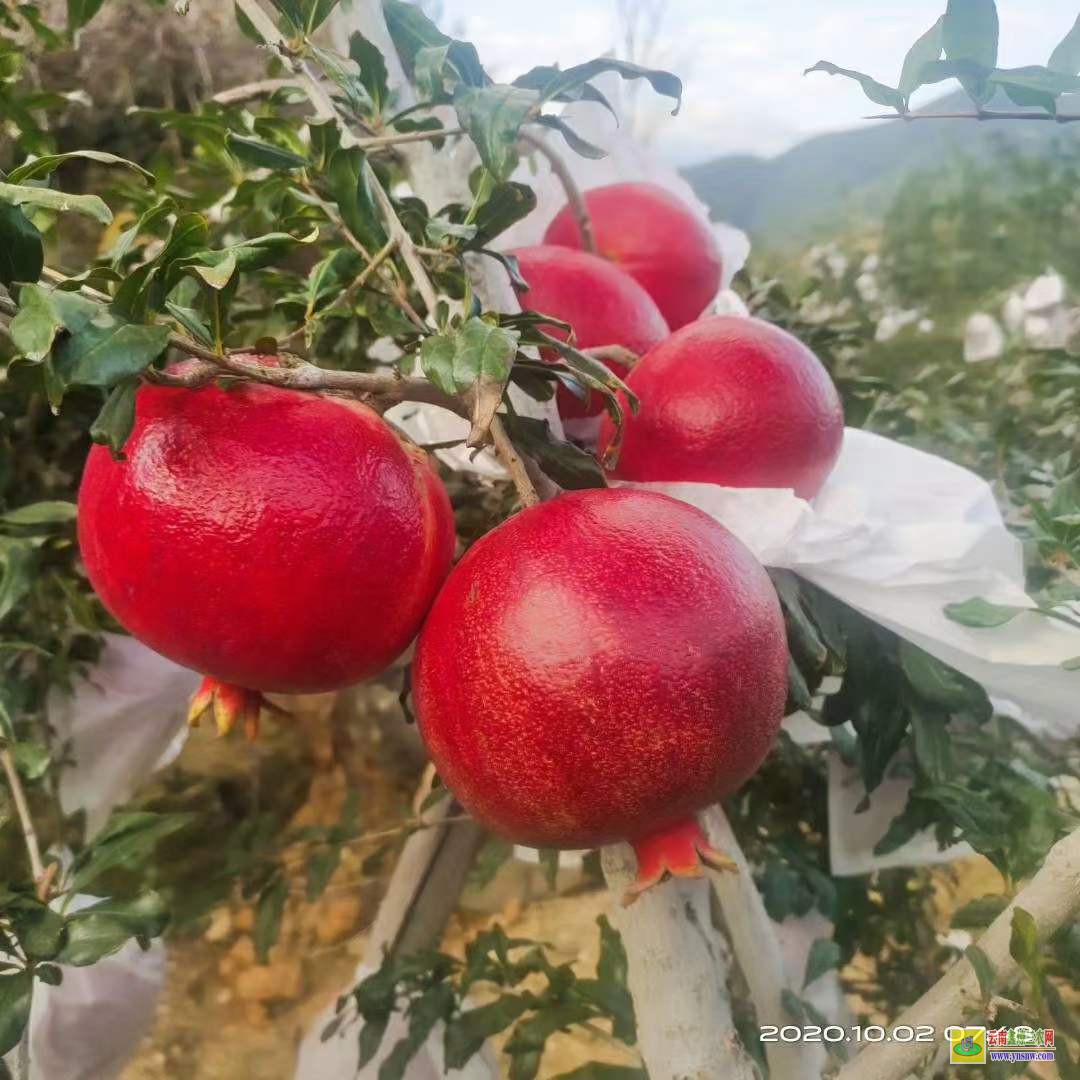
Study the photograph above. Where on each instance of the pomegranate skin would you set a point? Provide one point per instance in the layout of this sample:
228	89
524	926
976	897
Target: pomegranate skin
600	667
657	239
271	539
732	401
604	305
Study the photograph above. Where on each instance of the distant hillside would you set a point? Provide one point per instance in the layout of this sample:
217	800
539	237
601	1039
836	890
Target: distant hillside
834	178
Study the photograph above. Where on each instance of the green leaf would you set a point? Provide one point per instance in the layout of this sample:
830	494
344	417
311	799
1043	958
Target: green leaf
410	30
350	182
34	328
128	840
824	956
219	275
49	974
15	994
507	204
373	74
1024	946
437	361
526	1044
984	970
39	929
972	76
104	928
371	1037
1072	665
492	116
424	1013
926	49
116	420
981	614
192	322
566	82
80	12
576	143
18	559
48	199
940	684
22	254
320	869
50	512
1036	79
467	1033
567	464
980	913
970	31
1066	57
877	92
43	166
263	155
316	12
268	912
933	748
32	760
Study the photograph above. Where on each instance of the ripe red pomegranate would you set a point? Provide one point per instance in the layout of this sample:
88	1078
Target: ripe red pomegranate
600	668
272	539
604	306
731	401
657	239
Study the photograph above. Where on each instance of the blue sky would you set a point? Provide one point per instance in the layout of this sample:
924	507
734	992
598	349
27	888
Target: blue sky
742	60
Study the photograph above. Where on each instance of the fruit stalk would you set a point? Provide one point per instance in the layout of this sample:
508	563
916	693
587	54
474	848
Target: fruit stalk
574	195
26	820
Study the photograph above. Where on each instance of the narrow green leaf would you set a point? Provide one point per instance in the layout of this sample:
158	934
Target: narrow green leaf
350	182
970	31
373	74
984	970
128	840
437	361
263	155
192	322
410	30
268	913
43	166
824	956
877	92
926	49
52	512
663	82
316	13
35	327
48	199
116	420
466	1034
1066	57
981	614
980	913
104	928
80	12
22	253
18	559
567	464
320	869
15	994
492	116
576	143
507	204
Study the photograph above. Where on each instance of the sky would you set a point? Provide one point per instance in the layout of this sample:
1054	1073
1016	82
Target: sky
742	60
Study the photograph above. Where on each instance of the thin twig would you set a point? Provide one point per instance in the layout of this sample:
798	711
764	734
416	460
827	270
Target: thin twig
26	821
573	193
237	95
1069	119
513	464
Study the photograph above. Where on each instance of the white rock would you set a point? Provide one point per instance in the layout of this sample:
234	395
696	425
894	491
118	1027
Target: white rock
1045	292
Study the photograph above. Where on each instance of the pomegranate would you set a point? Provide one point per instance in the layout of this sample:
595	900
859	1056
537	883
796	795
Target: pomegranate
731	401
657	239
600	668
271	539
604	306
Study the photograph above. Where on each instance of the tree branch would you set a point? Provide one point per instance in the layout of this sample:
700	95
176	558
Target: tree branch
26	821
757	949
513	463
976	116
573	193
1051	898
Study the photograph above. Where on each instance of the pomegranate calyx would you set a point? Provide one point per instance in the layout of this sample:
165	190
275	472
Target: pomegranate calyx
227	704
681	850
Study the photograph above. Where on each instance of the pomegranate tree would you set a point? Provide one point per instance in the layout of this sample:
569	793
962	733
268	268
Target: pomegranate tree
600	668
272	540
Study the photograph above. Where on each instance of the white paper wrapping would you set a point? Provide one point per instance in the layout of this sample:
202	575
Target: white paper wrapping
897	534
125	719
89	1026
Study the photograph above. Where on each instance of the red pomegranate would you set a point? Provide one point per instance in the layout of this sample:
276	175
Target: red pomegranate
657	239
600	668
271	539
604	306
732	401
